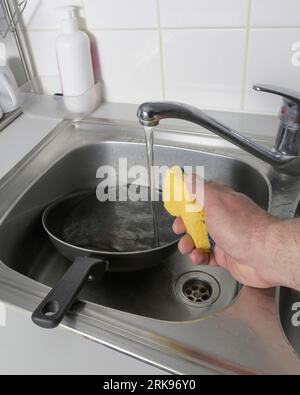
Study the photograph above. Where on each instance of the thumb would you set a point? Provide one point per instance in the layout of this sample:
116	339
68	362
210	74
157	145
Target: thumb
195	185
207	193
217	200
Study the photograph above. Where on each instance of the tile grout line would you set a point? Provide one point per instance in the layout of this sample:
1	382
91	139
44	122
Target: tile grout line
216	28
245	71
161	51
145	29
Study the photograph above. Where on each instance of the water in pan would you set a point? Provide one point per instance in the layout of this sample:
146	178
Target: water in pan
116	226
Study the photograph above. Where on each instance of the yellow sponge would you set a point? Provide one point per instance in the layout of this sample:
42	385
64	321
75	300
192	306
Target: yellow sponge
179	203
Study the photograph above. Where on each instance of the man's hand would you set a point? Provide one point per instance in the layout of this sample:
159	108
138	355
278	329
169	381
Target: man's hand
248	240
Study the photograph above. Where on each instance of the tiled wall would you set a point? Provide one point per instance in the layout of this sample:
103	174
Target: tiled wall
204	52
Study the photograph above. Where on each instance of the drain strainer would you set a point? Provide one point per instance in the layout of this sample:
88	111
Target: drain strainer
197	289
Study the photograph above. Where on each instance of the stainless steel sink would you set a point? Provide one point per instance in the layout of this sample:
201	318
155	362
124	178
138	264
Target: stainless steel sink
155	293
146	314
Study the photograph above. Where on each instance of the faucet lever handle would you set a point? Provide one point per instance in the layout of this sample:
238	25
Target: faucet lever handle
287	94
288	135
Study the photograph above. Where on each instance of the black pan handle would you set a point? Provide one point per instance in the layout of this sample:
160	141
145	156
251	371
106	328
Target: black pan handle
54	307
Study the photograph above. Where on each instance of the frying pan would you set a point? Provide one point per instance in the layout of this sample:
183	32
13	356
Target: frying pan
71	212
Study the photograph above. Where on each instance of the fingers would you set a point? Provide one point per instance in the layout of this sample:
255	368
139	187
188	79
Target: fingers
198	257
178	226
186	245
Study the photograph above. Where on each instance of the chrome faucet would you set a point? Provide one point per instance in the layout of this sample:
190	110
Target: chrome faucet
285	156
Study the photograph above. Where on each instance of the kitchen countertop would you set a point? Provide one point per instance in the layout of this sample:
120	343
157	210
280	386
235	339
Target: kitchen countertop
20	137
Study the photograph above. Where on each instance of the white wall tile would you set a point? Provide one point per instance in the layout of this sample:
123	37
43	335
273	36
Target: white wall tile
130	65
275	13
42	47
270	61
106	14
205	68
203	13
41	14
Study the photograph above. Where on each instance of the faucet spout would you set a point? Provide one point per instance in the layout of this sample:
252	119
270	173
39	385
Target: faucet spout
151	113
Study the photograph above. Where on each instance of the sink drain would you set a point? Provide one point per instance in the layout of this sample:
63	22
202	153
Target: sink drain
197	289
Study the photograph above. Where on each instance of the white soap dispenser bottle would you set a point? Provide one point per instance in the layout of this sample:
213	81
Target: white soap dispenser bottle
73	49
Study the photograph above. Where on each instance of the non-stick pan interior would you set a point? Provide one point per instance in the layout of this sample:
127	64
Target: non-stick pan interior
112	226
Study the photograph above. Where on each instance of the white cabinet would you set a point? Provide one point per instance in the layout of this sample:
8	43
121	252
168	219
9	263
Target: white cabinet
28	349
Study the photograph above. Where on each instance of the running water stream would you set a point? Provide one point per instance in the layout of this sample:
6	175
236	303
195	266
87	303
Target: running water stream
149	135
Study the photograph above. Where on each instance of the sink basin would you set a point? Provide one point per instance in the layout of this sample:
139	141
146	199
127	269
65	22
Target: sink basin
157	293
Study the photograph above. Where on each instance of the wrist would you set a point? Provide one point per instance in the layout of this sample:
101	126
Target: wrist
282	247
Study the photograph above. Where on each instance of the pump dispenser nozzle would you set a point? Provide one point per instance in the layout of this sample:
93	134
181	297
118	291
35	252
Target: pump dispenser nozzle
68	18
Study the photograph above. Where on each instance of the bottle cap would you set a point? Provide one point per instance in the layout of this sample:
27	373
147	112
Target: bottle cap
68	18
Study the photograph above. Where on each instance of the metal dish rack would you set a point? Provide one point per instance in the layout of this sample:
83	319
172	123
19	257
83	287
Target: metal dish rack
9	20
